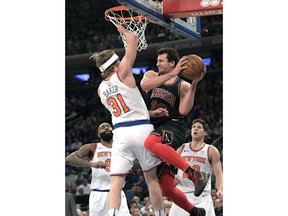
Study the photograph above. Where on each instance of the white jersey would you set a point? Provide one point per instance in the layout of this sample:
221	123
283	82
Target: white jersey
101	177
100	185
124	103
199	160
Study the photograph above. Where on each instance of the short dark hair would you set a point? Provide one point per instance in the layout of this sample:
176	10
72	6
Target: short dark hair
172	54
203	122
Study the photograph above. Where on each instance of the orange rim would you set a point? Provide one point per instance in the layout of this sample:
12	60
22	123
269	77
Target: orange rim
123	8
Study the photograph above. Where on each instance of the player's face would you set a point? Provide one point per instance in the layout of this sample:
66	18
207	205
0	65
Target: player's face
105	132
104	127
163	65
197	131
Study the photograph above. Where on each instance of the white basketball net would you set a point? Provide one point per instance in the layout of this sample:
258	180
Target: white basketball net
135	23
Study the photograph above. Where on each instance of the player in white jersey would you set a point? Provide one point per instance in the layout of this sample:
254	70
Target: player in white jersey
98	157
203	157
121	96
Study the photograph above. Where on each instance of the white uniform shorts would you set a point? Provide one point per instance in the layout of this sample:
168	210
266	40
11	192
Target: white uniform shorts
98	204
203	201
128	144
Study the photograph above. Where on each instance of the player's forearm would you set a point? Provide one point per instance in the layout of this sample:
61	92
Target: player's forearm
219	176
73	160
219	183
155	82
187	103
131	38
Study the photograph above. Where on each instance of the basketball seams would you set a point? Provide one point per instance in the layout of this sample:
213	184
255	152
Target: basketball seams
195	67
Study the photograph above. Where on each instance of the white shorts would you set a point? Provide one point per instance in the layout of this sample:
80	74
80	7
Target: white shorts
128	144
98	204
203	201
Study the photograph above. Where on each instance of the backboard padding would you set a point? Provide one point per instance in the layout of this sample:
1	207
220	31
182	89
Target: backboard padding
154	11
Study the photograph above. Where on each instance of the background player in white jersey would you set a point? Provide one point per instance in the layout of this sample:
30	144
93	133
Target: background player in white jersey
121	96
98	157
203	157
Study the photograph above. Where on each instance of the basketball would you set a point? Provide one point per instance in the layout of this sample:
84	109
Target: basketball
195	67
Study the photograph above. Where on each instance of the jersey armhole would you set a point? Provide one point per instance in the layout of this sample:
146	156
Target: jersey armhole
208	151
95	145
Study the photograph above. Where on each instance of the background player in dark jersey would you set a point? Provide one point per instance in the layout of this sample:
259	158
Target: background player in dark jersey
169	99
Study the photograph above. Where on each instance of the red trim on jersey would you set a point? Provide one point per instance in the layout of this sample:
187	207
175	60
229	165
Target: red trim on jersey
182	147
190	146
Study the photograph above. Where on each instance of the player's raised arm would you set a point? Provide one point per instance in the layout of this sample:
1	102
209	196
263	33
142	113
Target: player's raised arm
125	67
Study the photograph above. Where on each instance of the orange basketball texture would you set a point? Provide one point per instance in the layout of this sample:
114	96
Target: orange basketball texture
195	67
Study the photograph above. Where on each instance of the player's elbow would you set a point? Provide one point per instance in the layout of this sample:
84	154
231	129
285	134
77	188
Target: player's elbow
68	159
184	112
144	87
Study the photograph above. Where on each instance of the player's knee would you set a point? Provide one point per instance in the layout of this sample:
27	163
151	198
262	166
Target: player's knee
150	142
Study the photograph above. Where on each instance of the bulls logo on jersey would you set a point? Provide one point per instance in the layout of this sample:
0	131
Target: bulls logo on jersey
167	137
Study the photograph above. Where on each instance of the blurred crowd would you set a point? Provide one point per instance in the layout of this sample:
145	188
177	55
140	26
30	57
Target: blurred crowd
87	30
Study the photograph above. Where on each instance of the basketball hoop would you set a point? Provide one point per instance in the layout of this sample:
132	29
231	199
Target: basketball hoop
132	21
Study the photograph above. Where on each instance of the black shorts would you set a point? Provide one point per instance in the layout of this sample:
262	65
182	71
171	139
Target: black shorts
161	167
173	132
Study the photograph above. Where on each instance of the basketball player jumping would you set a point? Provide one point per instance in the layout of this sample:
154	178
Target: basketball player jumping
169	99
98	157
130	117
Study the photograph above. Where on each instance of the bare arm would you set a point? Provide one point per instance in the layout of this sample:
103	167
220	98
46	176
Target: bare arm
151	79
187	95
125	67
158	113
214	156
81	157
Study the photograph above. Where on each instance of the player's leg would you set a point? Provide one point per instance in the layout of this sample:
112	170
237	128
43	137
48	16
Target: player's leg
167	184
163	142
154	191
124	210
117	182
98	203
149	164
154	144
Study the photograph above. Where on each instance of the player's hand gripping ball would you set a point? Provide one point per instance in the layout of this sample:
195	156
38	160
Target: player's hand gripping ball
195	67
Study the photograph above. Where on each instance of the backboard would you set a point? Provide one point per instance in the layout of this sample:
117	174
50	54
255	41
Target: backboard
188	27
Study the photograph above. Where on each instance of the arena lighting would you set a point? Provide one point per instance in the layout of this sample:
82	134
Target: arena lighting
207	61
82	77
138	70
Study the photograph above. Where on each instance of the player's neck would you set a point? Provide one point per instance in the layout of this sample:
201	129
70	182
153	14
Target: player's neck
197	144
108	144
